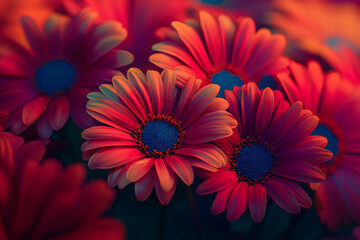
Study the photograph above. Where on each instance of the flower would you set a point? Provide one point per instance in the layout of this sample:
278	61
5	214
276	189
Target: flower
66	59
42	201
337	104
206	47
318	27
269	151
141	19
155	131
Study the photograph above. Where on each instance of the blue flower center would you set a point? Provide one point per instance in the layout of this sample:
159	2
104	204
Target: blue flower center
226	81
160	136
332	145
55	76
267	81
254	162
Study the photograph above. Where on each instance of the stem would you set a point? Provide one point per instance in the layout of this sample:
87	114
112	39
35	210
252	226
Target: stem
194	213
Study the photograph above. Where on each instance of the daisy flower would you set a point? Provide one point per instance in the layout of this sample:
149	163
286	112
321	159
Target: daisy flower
45	202
268	153
141	19
337	104
207	47
48	79
318	27
155	131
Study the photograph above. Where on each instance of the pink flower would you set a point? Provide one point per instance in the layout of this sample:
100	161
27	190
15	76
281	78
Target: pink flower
45	202
337	104
65	59
208	46
155	131
268	153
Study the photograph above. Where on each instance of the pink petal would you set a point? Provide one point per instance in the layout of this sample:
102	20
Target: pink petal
43	127
264	112
58	112
156	89
193	42
299	171
129	96
114	157
199	103
237	202
257	202
208	153
139	168
282	196
211	33
218	181
104	132
221	200
164	197
181	167
165	175
170	90
33	109
145	185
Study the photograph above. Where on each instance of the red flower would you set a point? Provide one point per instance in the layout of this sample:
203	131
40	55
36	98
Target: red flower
155	131
66	59
337	104
269	151
45	202
208	46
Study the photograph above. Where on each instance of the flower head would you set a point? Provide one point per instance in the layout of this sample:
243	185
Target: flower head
66	60
155	131
337	104
141	19
42	201
208	46
269	151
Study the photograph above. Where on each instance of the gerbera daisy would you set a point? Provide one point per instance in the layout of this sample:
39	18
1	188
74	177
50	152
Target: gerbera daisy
66	60
319	26
155	131
45	202
207	46
141	19
337	104
269	151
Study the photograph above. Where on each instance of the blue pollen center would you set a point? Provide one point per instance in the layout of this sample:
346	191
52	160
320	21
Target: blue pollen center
159	135
55	76
226	81
267	81
254	161
332	145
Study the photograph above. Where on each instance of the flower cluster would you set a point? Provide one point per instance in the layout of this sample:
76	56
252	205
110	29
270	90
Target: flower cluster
161	93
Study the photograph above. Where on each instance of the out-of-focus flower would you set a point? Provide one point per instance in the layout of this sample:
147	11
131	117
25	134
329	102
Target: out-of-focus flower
269	151
206	47
356	233
347	62
155	131
41	201
11	12
318	26
141	19
337	104
66	60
